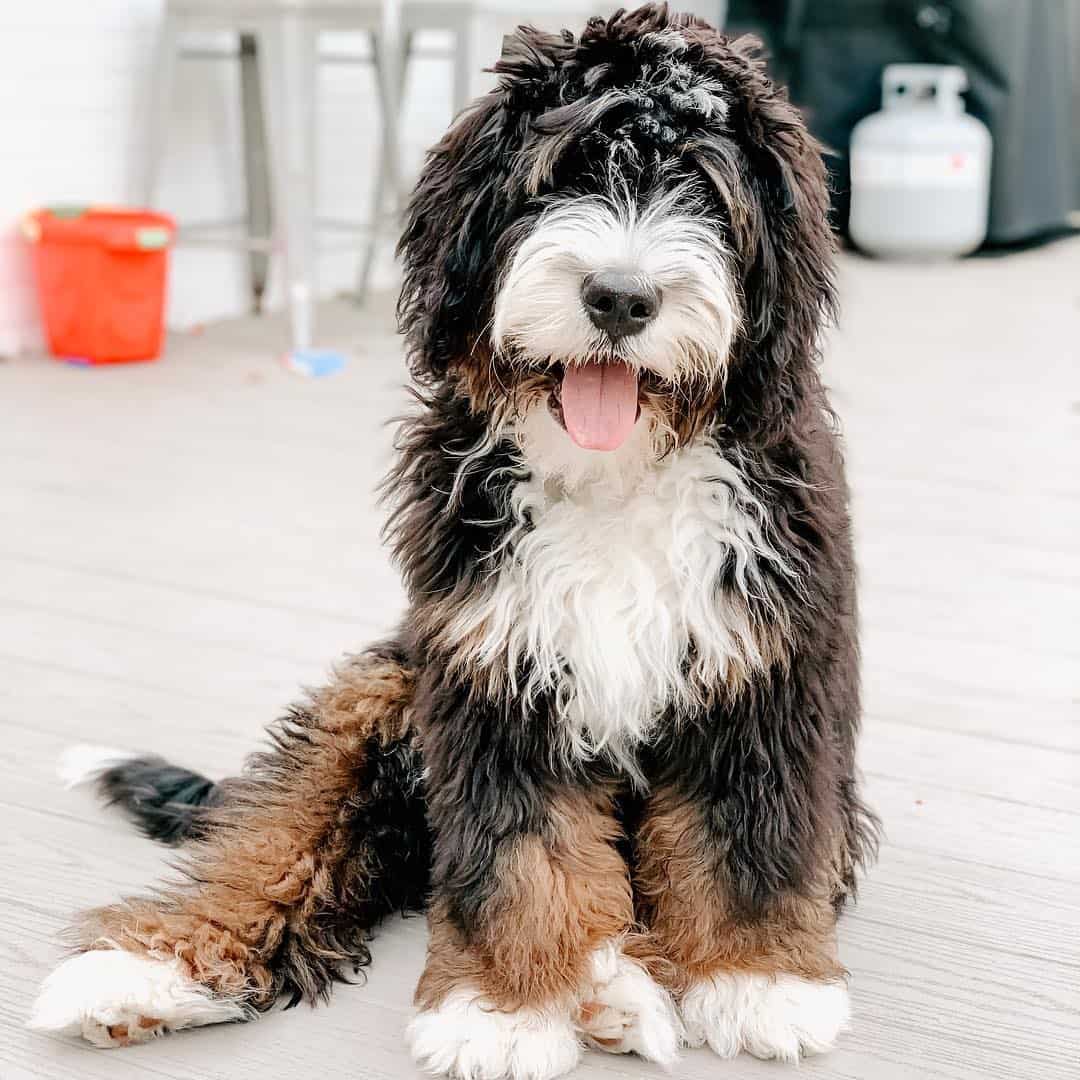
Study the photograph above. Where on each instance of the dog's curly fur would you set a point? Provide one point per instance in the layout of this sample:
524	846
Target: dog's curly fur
619	719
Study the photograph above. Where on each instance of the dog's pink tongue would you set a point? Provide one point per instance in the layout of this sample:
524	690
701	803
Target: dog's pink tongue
599	404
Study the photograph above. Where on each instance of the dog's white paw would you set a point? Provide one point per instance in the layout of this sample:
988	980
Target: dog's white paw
115	998
780	1016
468	1039
626	1011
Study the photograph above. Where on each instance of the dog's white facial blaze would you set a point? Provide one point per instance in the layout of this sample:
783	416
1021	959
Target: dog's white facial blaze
539	314
603	592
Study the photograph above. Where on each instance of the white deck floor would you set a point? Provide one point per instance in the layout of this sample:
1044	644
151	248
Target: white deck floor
183	543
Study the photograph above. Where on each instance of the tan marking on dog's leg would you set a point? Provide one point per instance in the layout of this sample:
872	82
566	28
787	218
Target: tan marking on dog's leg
689	913
770	983
502	999
267	867
557	899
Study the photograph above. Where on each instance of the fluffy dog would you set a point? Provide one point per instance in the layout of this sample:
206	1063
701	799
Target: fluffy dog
611	748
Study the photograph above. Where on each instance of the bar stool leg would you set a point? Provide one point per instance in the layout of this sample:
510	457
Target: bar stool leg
386	174
155	113
289	44
256	172
390	73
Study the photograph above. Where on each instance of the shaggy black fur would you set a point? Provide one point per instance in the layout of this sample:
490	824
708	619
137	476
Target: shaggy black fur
775	768
771	766
446	519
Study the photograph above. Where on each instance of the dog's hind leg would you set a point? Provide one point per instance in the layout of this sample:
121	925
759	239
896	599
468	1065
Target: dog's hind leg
320	838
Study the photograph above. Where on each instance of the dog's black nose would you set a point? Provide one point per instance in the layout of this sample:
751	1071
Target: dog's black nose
619	304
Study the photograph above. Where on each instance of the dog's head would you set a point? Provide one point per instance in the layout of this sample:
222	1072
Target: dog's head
633	221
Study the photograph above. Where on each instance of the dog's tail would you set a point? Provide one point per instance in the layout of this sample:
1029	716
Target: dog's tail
168	803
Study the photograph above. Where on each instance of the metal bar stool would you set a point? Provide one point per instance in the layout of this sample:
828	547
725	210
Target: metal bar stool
279	58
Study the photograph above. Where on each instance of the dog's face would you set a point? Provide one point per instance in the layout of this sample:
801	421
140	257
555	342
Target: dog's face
627	235
614	288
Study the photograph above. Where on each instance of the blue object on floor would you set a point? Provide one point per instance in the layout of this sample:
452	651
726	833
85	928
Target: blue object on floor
315	363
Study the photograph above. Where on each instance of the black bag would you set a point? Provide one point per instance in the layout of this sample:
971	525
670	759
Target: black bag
1017	57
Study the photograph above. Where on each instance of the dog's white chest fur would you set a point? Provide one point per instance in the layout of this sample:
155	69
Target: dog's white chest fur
602	591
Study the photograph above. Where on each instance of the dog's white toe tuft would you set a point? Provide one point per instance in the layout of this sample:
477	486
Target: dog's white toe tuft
782	1016
84	763
627	1011
468	1039
115	998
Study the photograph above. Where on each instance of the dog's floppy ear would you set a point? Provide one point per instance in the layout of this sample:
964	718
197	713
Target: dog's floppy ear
457	206
464	203
779	202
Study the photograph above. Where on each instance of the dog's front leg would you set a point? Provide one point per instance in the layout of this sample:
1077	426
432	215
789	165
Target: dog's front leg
742	863
280	892
531	906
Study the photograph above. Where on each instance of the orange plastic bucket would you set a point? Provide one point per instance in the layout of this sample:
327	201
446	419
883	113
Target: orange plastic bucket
101	275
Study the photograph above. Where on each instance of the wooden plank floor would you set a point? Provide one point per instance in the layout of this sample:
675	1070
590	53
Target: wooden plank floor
182	544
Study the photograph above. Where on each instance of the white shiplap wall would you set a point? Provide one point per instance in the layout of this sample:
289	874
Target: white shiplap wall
71	72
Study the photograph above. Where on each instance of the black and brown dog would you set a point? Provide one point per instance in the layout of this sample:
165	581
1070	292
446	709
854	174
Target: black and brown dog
611	749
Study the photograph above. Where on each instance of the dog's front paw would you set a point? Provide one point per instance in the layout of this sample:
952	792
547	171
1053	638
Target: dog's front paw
779	1016
467	1038
116	998
625	1011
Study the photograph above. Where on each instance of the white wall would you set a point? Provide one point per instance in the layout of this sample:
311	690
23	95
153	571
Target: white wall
71	72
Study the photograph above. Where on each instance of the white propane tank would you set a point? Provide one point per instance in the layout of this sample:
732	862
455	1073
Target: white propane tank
920	168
